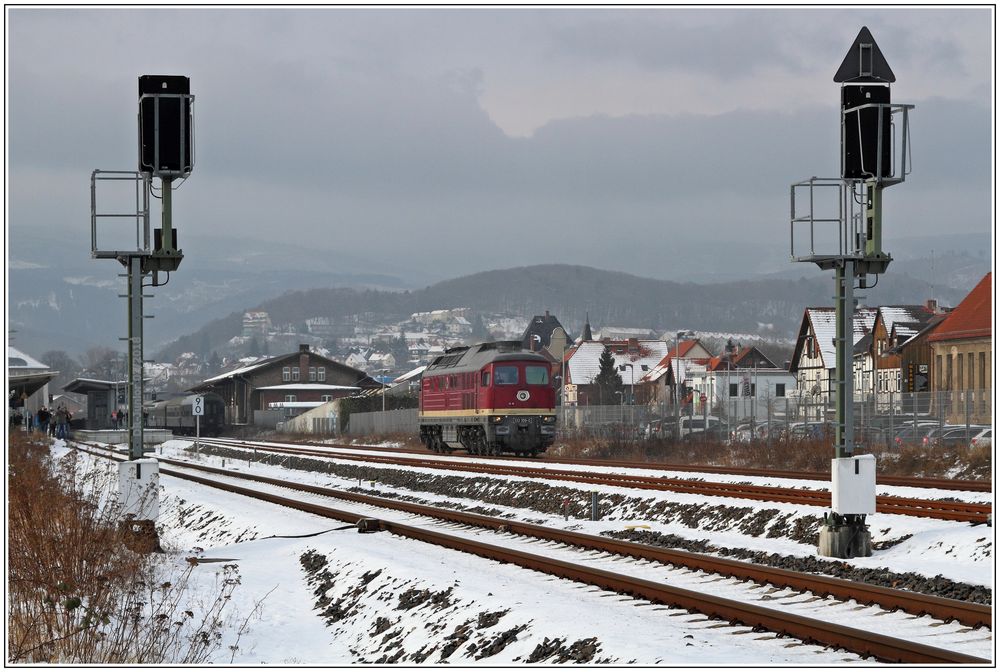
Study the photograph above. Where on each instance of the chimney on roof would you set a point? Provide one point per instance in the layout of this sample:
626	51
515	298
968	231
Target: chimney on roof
633	344
303	347
546	314
932	305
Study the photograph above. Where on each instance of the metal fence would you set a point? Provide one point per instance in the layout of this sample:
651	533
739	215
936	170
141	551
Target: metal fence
402	421
886	419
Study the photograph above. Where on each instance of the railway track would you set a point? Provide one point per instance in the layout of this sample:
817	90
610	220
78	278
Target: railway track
926	508
802	627
898	481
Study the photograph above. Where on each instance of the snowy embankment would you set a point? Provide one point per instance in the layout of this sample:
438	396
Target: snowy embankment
339	597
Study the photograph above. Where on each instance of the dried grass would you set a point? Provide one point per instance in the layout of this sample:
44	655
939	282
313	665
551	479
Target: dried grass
77	593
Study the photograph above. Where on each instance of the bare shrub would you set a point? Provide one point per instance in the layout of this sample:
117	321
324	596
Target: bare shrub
77	594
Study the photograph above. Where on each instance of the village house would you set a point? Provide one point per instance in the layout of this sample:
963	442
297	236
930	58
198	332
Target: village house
285	384
633	359
739	384
962	355
814	359
893	326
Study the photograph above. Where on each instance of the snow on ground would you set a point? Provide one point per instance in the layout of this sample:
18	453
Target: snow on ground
957	551
340	597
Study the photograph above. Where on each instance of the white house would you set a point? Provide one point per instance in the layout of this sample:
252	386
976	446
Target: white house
814	360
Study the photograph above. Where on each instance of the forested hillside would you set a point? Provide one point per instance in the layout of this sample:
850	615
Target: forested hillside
771	307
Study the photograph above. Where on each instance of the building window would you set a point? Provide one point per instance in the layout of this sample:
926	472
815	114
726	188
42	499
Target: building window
295	373
326	397
779	389
960	382
286	374
734	389
972	371
321	374
938	372
982	370
949	381
312	374
899	381
289	397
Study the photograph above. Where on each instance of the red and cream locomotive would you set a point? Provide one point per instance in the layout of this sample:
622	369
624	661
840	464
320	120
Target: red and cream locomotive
490	398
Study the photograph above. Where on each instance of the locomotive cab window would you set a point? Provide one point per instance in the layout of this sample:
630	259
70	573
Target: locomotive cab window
506	375
536	375
485	382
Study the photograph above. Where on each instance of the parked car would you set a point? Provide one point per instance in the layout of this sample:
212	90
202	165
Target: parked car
715	434
811	430
698	422
747	432
952	435
913	434
983	439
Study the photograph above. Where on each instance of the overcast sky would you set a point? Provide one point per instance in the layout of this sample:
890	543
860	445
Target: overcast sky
490	138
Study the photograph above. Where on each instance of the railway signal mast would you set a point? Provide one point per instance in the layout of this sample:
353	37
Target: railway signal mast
166	153
843	217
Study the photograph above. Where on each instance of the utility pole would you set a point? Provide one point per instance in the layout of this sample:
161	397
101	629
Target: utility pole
871	161
166	152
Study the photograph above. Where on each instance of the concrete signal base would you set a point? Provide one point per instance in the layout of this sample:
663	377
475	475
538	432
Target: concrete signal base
844	537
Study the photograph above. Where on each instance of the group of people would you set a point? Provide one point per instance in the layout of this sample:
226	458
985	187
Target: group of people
45	421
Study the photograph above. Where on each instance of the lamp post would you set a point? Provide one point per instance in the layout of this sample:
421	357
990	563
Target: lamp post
631	389
677	407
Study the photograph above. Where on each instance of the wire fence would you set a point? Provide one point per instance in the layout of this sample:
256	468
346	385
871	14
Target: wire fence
882	420
885	419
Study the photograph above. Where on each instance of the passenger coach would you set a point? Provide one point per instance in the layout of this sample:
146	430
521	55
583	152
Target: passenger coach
490	398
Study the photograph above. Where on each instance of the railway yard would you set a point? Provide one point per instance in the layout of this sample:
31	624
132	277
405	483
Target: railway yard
499	561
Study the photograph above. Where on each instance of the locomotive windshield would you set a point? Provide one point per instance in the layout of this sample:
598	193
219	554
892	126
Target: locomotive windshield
536	375
505	375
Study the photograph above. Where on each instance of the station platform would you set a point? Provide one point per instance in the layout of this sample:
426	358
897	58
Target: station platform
150	437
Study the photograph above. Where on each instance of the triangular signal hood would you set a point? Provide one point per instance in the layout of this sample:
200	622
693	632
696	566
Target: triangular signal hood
864	62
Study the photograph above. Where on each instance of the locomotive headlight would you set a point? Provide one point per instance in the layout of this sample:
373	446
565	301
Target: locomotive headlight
549	419
497	419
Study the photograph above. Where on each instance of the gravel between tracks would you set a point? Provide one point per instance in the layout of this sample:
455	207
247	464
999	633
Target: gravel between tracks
548	499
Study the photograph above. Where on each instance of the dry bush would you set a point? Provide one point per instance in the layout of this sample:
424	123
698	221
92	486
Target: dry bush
790	455
77	594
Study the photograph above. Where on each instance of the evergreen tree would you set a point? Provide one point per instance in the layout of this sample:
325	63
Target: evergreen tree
480	334
608	381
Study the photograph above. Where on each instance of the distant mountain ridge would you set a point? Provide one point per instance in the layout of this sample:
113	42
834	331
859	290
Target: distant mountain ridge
571	292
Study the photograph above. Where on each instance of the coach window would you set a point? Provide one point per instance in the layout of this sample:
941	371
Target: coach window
506	375
485	382
536	375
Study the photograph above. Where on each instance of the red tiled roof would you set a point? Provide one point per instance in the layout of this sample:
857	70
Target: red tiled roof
684	347
972	318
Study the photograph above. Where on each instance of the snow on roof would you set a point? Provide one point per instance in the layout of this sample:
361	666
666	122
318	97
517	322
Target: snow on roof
410	375
910	314
824	324
584	364
239	371
295	404
19	360
625	332
309	386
